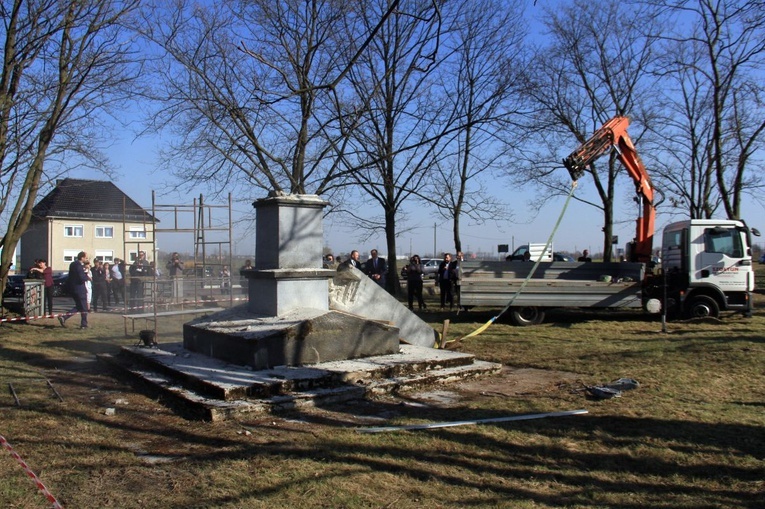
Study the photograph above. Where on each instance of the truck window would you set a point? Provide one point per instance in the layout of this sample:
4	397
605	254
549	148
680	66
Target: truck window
725	241
672	239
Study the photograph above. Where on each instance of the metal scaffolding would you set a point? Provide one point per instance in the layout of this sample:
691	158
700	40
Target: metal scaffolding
205	283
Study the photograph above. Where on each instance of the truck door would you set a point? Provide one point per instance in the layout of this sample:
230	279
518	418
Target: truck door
722	260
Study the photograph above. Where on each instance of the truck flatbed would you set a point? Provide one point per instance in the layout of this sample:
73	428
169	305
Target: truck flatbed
554	284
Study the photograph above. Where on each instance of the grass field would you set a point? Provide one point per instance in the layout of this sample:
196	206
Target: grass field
691	436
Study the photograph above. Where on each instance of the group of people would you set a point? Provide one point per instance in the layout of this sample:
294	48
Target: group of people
98	284
448	276
91	284
448	279
95	280
375	267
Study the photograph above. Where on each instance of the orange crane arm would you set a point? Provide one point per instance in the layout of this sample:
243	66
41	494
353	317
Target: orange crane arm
613	135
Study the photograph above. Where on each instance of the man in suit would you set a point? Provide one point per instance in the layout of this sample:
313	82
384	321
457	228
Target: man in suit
140	271
455	274
76	282
444	281
376	268
352	261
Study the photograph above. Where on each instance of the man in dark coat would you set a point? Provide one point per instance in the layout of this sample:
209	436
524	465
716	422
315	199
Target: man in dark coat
99	285
376	268
77	278
140	271
352	261
444	281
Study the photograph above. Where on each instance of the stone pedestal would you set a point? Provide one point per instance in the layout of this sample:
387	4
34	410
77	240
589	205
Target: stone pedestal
288	256
287	320
280	291
289	232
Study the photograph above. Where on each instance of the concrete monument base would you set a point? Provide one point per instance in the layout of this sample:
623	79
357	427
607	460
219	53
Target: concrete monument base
307	334
201	387
300	337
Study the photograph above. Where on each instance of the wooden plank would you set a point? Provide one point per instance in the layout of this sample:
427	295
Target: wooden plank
174	313
151	316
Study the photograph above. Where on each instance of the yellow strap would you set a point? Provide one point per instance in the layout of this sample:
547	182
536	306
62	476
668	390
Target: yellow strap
485	326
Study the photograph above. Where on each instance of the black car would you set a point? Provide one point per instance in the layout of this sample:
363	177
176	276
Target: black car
14	287
59	284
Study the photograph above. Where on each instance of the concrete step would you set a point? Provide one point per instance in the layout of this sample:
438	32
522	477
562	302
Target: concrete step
203	388
218	379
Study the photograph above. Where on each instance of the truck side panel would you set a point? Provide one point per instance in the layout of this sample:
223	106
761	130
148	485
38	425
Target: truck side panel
555	284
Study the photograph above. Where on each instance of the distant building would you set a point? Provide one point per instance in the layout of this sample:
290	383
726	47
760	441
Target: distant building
86	215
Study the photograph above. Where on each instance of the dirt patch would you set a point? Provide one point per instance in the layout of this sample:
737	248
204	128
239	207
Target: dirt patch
509	383
440	401
515	382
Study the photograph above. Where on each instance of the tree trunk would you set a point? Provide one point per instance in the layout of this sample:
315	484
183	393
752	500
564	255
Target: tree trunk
392	282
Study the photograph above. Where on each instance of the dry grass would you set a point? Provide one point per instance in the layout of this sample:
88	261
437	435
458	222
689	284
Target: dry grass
691	436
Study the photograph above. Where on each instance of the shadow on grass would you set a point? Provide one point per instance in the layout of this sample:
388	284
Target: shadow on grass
631	461
607	461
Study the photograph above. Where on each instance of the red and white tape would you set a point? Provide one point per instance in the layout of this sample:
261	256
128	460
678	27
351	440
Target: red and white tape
37	481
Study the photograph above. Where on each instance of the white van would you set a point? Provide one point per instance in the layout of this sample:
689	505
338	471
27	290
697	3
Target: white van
534	250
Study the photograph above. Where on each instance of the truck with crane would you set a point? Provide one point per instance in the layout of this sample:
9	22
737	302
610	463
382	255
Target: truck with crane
706	264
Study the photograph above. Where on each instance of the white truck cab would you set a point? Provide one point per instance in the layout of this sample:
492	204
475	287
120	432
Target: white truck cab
708	263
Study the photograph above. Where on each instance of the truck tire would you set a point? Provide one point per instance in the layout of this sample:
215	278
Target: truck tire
527	315
703	306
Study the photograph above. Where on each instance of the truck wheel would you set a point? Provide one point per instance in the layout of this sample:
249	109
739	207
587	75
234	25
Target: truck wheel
525	316
703	306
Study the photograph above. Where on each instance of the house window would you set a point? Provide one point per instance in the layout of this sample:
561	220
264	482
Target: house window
137	232
105	255
70	255
73	230
104	232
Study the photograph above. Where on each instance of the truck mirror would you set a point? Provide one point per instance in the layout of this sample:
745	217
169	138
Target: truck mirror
755	232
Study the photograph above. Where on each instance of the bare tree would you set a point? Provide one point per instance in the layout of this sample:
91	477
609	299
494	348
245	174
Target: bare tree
593	68
251	91
63	64
479	77
682	141
718	48
396	137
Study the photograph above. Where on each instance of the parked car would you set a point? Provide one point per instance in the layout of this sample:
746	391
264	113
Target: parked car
560	257
531	253
429	268
14	287
59	284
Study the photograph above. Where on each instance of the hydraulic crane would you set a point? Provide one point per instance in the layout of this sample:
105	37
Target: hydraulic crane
613	135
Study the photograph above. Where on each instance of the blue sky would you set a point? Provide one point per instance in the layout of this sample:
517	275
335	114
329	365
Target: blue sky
580	227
